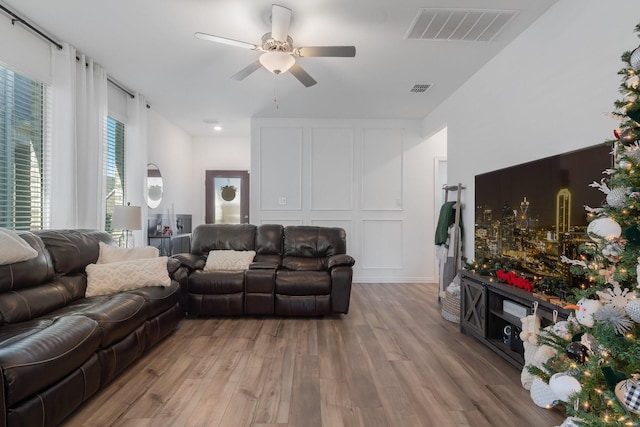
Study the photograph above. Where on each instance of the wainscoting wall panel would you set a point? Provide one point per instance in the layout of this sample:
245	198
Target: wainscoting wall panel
382	169
374	178
382	243
331	169
280	168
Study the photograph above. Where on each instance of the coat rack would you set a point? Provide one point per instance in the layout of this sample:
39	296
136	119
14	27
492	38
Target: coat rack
457	254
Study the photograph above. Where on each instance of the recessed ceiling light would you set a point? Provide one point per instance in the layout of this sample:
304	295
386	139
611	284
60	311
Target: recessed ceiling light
214	123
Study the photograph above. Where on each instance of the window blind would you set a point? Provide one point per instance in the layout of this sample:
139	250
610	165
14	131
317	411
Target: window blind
24	152
114	167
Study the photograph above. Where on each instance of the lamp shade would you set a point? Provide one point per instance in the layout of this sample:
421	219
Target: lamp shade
126	218
277	62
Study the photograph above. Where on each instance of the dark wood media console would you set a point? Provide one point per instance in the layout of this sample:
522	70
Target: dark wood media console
483	315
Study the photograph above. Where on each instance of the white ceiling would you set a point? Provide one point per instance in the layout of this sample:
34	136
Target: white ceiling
149	47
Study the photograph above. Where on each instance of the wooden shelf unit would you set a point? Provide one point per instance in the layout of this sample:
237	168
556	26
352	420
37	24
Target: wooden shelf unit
482	314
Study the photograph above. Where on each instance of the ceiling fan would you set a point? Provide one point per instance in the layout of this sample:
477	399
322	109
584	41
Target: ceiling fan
279	55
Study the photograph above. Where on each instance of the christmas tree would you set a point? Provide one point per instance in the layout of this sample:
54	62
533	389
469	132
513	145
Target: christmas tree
595	368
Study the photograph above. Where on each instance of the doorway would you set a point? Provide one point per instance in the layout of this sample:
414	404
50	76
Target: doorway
227	197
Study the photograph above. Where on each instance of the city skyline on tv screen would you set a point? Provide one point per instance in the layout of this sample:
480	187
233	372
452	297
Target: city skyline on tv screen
533	213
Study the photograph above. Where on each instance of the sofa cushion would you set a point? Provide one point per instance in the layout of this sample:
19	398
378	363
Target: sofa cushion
110	253
103	279
13	248
216	282
229	260
27	304
269	239
236	237
314	242
16	332
303	282
304	264
72	250
39	357
159	298
118	315
27	273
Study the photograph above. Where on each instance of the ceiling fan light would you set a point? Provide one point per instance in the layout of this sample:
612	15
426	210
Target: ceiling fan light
277	62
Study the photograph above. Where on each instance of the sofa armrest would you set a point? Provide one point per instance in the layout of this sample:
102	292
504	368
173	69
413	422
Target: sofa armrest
342	259
193	262
341	277
173	265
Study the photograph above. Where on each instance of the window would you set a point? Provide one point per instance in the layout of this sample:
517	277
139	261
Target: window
114	168
24	152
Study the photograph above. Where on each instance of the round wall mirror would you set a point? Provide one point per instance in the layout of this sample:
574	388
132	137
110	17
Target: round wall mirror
154	186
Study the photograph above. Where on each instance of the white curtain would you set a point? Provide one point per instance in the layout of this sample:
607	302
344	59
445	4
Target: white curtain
78	138
136	142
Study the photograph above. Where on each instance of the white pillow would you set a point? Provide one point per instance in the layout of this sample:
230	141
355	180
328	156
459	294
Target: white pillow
13	248
110	253
229	260
103	279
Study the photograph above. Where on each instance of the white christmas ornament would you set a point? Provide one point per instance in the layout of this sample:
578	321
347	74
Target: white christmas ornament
615	316
561	329
633	310
585	309
612	251
616	296
616	197
541	394
603	228
564	385
634	59
589	341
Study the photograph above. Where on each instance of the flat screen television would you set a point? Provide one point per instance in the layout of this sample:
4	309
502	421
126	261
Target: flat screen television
530	214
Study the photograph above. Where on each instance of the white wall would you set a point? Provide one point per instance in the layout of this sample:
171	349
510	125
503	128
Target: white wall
546	93
374	178
171	149
215	153
24	52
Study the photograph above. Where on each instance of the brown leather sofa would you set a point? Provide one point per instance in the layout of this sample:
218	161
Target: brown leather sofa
297	271
57	348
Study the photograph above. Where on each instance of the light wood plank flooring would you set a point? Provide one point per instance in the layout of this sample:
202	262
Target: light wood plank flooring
392	361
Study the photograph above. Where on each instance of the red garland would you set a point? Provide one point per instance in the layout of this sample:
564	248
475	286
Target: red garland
513	279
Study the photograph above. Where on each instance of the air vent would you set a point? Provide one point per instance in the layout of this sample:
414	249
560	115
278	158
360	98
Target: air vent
459	24
420	88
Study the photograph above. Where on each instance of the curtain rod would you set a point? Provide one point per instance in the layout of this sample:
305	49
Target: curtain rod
15	18
122	88
113	82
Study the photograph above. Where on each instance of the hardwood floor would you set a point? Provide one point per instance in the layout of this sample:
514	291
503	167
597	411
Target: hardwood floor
392	361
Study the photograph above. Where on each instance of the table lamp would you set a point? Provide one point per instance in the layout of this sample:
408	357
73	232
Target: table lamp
127	218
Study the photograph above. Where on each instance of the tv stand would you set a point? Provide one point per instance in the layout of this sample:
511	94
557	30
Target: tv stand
483	315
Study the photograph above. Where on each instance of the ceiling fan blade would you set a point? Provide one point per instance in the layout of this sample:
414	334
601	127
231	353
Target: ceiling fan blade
300	74
335	51
246	70
224	40
280	20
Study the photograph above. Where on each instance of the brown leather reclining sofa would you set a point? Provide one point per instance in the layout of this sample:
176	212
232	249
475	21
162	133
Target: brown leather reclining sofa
57	348
297	271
